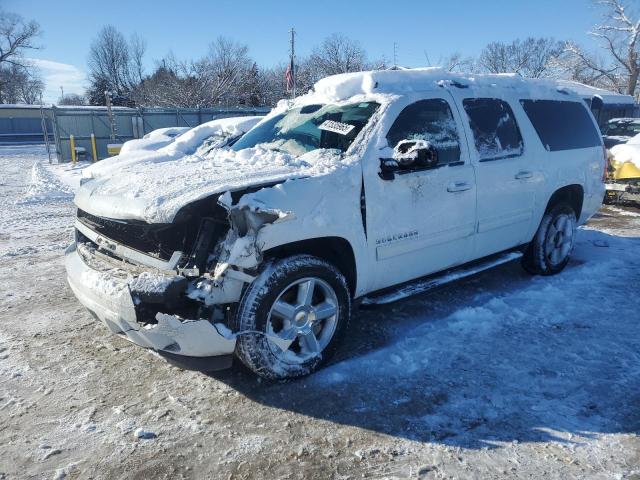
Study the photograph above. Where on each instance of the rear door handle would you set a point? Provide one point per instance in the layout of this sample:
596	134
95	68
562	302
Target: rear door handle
458	187
523	175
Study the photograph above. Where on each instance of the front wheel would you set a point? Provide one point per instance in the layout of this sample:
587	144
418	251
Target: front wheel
553	243
292	316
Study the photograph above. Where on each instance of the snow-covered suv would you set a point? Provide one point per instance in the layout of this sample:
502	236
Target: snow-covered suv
360	191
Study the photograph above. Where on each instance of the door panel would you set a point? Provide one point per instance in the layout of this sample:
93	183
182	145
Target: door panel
505	205
421	221
507	175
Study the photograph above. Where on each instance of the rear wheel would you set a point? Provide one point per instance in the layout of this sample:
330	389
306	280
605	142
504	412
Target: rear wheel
294	314
551	248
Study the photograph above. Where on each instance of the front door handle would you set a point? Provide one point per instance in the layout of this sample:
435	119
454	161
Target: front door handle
458	187
523	175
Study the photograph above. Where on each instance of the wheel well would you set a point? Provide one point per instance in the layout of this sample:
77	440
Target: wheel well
335	250
571	194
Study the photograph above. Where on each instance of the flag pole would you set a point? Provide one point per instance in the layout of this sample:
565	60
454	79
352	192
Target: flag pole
293	65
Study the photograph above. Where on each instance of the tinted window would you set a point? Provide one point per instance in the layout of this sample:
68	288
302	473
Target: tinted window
623	129
429	120
495	131
562	125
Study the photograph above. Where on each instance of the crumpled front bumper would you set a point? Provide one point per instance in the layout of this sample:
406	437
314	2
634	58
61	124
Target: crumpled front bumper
109	299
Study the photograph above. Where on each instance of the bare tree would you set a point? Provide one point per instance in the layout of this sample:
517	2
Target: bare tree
228	63
531	57
31	88
72	99
16	36
20	85
114	64
338	54
619	35
137	47
457	63
19	79
223	77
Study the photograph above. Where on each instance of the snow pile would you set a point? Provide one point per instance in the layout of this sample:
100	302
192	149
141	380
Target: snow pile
170	132
145	144
627	152
185	144
43	186
634	140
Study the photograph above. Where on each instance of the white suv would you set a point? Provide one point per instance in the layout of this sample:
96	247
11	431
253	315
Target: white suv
364	190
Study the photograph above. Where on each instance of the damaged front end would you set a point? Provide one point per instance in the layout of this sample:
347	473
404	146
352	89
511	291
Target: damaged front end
171	287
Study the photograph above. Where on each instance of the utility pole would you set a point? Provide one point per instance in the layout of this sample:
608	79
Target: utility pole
292	65
62	92
395	55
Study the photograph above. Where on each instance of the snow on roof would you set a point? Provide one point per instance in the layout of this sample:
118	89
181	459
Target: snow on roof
21	106
587	91
91	107
346	85
24	106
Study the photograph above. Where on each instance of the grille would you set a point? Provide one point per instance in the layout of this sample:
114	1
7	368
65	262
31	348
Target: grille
158	240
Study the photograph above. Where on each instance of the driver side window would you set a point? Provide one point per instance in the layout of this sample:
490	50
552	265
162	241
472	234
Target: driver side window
429	120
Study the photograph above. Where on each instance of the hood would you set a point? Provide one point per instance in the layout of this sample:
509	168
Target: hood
159	184
140	150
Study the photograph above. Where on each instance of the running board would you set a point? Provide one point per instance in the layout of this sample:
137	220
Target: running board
426	284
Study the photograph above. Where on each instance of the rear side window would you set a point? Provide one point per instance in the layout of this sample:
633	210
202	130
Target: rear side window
562	125
495	131
430	120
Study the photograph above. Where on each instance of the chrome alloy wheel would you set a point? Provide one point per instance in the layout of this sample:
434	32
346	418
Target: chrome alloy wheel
559	241
304	316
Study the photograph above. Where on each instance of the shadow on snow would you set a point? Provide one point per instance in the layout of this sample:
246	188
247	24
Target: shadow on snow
500	357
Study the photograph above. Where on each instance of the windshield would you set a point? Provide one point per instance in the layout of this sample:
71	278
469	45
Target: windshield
303	129
626	129
214	141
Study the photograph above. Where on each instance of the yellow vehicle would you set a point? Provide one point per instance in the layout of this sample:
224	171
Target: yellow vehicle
623	176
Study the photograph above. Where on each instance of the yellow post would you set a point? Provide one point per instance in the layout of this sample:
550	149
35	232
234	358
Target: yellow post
94	150
72	141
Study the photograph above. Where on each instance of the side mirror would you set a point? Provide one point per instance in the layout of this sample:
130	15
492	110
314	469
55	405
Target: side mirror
415	154
409	155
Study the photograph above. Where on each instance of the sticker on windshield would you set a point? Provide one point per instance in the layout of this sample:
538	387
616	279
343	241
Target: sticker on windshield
336	127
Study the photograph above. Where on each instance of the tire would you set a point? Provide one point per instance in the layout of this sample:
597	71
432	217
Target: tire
277	303
551	248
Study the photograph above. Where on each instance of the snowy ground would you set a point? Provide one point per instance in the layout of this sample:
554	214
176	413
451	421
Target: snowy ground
500	375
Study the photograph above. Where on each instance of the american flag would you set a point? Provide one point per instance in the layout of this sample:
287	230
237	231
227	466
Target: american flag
288	76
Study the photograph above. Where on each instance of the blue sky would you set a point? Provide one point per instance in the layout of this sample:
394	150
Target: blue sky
186	28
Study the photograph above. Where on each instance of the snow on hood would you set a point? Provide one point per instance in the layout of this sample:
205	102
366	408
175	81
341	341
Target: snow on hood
170	132
151	143
627	152
153	140
185	144
154	188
